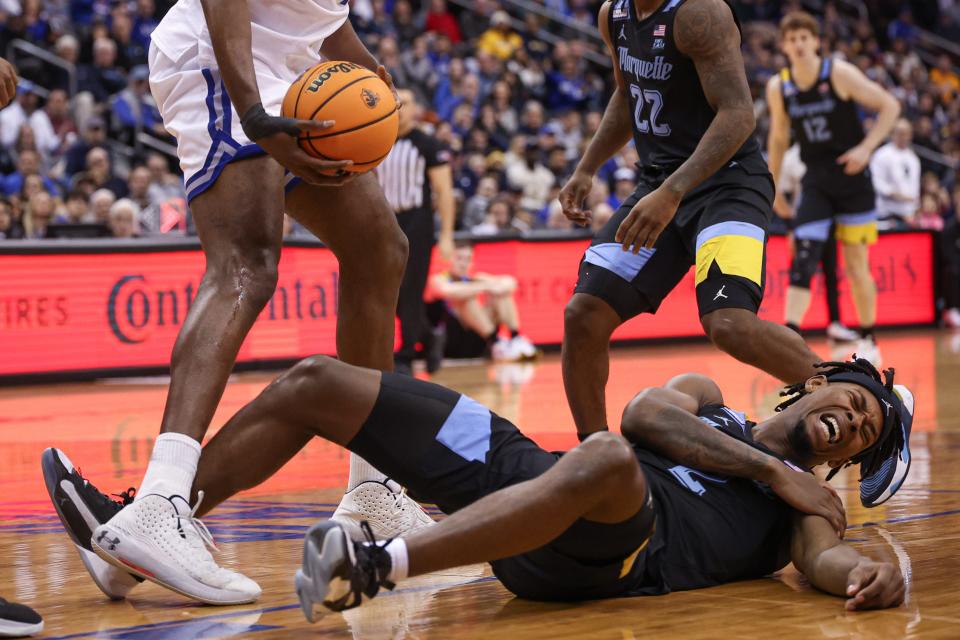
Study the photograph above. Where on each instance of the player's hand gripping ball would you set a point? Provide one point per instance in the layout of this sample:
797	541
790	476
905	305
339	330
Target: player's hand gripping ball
361	105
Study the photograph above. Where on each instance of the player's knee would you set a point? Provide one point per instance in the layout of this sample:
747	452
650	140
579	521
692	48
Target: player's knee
306	378
805	262
614	456
580	320
250	276
731	330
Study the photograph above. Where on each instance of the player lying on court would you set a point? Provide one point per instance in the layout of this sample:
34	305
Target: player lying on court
694	495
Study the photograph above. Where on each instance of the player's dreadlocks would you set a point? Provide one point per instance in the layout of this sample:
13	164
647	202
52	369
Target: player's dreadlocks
871	458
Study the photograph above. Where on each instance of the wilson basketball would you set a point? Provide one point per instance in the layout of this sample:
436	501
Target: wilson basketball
361	105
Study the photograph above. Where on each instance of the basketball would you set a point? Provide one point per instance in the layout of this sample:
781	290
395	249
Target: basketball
361	105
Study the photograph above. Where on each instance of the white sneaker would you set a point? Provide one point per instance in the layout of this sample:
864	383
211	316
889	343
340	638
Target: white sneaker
388	509
837	331
868	350
157	538
951	318
504	350
524	348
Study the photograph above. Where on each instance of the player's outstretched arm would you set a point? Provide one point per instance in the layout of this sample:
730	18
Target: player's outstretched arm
232	40
614	132
778	140
706	32
837	568
664	420
851	83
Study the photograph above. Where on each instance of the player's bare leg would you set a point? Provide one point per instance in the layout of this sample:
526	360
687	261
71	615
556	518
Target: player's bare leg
797	303
863	289
239	220
765	345
856	260
240	224
476	317
588	323
359	226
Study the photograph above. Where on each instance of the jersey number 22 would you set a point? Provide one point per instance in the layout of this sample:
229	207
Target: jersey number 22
655	99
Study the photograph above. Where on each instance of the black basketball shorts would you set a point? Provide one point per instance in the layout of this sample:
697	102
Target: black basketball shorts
848	200
721	229
447	449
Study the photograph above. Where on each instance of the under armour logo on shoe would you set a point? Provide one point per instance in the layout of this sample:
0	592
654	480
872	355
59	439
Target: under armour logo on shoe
720	294
112	544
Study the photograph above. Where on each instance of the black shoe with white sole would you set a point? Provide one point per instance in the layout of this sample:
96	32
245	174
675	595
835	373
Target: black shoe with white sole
18	620
82	508
337	572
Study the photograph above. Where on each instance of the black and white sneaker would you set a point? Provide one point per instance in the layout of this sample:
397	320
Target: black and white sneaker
338	572
18	620
82	508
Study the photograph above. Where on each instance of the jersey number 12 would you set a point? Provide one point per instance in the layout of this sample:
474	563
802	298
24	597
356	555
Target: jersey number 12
655	99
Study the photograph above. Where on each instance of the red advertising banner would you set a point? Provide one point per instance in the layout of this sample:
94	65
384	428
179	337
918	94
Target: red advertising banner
97	311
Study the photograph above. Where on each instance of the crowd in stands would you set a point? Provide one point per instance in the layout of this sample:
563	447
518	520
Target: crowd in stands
514	104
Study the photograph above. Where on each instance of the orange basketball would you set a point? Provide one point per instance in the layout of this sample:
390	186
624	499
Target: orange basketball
361	105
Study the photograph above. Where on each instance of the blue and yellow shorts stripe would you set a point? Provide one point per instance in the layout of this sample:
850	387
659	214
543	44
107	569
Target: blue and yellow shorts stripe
857	228
737	248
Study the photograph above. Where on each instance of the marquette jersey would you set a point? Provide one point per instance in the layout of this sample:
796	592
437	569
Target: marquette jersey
670	110
286	34
824	125
711	528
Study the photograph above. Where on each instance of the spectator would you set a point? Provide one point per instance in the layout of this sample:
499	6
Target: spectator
501	97
567	88
895	170
473	24
100	203
99	169
144	23
39	214
418	69
103	78
944	78
405	24
164	185
68	48
76	210
53	128
532	176
123	217
28	164
9	229
129	50
13	117
500	219
929	215
94	137
134	109
475	209
624	182
500	39
477	308
532	120
440	20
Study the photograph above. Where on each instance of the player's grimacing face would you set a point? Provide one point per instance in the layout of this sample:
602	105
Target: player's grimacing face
800	44
839	420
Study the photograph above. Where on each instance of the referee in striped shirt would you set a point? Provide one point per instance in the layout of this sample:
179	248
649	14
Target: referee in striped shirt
415	175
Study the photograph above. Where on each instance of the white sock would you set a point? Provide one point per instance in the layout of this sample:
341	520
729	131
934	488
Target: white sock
362	471
172	466
399	563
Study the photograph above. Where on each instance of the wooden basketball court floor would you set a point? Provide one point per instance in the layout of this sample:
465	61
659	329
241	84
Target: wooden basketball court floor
107	428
